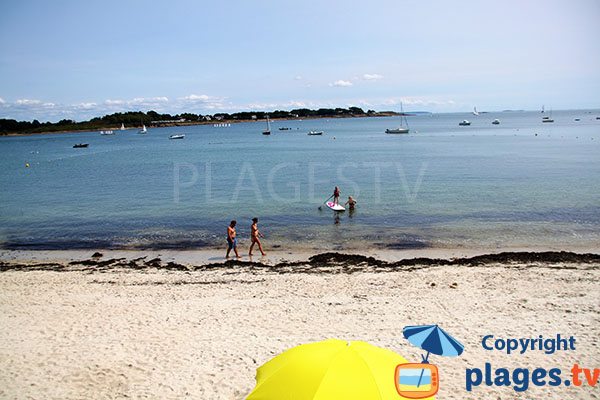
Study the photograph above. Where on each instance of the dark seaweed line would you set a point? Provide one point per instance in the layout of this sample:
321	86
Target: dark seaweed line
327	263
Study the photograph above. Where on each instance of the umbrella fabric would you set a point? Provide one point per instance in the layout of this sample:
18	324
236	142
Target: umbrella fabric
433	339
329	370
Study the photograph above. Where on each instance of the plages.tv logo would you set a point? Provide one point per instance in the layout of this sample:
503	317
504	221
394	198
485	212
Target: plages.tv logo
522	378
421	380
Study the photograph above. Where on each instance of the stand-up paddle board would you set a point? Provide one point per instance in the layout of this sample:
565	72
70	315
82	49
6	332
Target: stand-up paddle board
335	207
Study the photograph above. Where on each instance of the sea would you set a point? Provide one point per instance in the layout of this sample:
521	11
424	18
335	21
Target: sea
519	184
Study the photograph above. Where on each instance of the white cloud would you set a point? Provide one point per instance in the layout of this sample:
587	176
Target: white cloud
201	97
419	101
294	104
298	78
341	83
145	100
117	102
85	105
372	77
261	106
27	102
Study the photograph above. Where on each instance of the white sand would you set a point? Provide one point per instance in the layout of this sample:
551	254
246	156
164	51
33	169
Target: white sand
170	335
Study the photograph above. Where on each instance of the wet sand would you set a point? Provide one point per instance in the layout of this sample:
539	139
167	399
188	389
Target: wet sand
143	327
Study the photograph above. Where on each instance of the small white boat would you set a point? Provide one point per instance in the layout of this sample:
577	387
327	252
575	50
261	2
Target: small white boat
122	127
475	111
143	130
496	121
106	133
177	136
315	133
464	123
268	130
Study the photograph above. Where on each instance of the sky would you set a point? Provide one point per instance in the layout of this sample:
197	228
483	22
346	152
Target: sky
65	59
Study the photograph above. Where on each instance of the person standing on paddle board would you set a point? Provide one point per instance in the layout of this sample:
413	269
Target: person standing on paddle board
254	234
336	195
231	240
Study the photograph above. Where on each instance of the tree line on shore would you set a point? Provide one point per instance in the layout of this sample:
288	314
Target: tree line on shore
137	118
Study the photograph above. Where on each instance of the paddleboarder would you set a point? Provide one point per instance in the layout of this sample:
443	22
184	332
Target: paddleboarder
336	195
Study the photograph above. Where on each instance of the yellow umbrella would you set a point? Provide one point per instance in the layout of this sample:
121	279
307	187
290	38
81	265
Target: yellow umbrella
329	370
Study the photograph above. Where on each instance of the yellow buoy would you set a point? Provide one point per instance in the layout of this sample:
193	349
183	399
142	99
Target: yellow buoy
27	165
334	138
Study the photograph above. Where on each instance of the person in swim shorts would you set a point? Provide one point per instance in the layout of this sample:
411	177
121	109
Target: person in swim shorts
231	240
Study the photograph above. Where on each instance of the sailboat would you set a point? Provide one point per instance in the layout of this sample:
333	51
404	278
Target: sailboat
548	118
268	131
475	111
122	126
402	129
143	130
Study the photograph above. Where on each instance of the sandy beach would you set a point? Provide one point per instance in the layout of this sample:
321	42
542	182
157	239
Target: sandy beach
135	328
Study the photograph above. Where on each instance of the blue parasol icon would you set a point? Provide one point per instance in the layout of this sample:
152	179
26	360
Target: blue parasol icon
432	339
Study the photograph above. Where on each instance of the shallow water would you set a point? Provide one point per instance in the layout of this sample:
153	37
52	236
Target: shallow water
478	186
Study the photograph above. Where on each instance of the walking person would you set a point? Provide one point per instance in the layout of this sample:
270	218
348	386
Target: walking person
254	234
231	239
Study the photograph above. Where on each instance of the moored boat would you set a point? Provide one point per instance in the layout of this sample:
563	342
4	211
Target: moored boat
400	129
177	136
268	130
397	130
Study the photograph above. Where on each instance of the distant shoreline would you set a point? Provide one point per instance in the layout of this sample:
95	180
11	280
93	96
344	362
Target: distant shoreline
193	123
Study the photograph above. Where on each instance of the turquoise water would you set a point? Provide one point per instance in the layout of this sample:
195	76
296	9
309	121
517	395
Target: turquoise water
445	186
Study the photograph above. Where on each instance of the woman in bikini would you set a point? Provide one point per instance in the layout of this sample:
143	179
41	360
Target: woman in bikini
254	234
